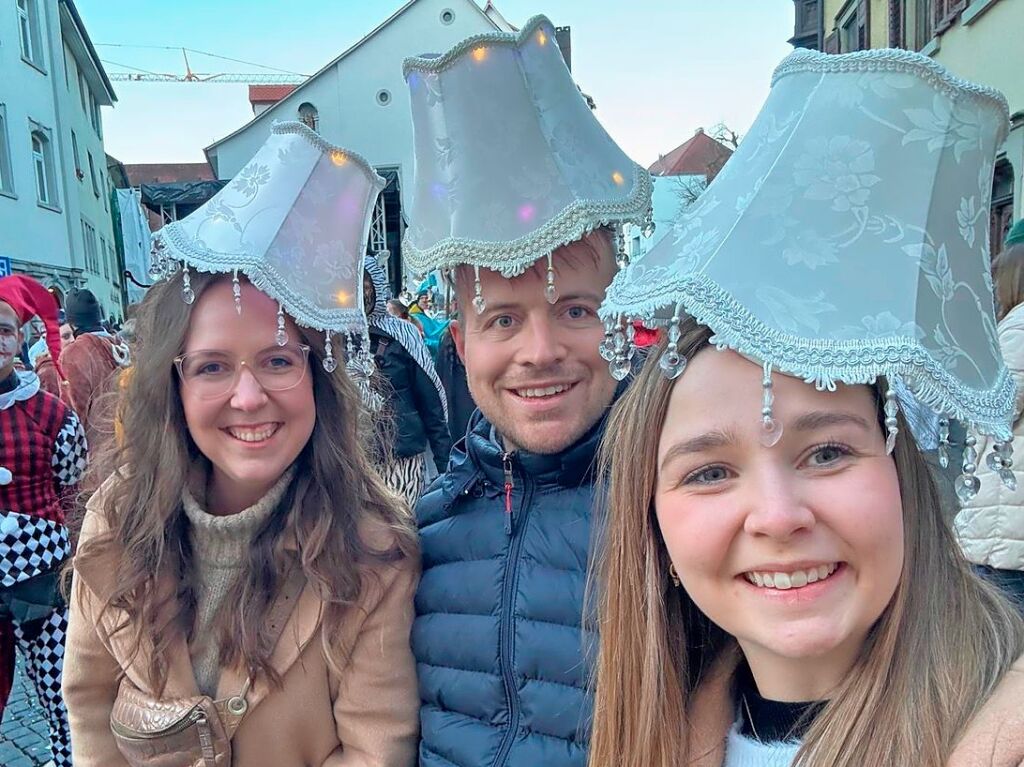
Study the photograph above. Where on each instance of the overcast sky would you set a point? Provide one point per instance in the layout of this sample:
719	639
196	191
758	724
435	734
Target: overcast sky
658	69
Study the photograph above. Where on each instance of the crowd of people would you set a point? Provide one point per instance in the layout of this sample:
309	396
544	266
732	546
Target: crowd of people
680	516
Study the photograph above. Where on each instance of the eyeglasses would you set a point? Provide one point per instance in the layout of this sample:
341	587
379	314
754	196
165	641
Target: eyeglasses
211	373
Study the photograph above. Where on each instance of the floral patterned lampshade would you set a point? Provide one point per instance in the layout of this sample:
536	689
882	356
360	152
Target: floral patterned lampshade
510	161
294	221
847	237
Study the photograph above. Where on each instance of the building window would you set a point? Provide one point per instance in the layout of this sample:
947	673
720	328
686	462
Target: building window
384	97
6	176
897	23
1001	211
447	16
852	27
28	33
42	163
922	23
105	257
67	80
92	175
82	88
78	157
94	114
89	240
112	257
309	116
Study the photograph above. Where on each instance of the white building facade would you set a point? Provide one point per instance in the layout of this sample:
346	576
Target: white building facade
55	221
360	100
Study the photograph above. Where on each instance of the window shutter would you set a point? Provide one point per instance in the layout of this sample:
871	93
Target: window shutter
863	36
897	23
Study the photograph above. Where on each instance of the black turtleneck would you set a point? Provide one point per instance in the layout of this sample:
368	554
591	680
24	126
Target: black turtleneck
10	383
771	721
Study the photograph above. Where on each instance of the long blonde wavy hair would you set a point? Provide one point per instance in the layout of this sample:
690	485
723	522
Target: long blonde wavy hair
931	660
335	497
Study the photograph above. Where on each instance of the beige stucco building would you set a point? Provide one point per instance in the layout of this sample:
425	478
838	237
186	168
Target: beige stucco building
979	40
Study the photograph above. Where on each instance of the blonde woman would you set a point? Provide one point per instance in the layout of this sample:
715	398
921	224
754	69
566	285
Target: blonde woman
777	585
801	604
991	525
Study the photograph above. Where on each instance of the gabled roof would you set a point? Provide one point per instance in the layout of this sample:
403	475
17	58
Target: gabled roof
698	156
366	38
269	94
497	19
167	173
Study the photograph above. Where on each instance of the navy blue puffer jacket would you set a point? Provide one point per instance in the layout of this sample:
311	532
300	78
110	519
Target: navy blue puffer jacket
498	641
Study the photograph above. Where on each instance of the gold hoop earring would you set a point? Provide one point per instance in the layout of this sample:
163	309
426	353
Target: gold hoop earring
674	576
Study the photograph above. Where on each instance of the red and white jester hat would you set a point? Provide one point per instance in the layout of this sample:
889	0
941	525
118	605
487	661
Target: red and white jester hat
30	299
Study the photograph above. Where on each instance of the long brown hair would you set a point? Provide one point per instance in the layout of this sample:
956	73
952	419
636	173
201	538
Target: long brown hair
931	660
321	525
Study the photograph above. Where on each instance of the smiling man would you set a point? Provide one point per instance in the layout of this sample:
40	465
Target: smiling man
527	236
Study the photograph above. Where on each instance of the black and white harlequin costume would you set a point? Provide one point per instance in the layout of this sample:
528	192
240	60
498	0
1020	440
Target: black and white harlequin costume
42	458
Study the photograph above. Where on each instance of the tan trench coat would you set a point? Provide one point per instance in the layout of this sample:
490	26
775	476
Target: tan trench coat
995	738
366	717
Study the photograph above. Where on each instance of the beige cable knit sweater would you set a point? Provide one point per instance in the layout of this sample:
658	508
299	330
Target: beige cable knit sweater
220	546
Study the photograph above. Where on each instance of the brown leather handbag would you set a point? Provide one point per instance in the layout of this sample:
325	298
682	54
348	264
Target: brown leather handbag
195	731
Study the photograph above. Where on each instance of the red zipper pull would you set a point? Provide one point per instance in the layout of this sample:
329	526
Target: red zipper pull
506	462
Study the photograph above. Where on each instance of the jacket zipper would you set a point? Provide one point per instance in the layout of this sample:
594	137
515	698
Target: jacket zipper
508	591
506	464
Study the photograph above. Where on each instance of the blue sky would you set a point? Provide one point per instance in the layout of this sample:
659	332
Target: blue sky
658	69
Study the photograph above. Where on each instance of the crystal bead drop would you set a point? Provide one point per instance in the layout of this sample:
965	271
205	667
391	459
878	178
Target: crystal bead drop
187	294
282	335
236	291
944	442
1009	479
994	460
620	368
672	363
966	486
771	430
478	298
1006	473
330	364
620	365
891	408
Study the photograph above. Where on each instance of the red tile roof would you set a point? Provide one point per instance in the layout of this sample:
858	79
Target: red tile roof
268	94
698	156
168	173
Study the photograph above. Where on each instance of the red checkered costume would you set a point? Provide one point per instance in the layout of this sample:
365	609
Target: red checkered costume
42	458
40	446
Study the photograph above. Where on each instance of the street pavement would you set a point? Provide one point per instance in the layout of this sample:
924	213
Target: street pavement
23	734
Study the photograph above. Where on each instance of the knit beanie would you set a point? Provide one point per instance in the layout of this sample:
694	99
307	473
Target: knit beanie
1016	234
28	298
82	309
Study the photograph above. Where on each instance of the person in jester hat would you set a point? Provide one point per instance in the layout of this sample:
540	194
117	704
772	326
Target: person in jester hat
42	458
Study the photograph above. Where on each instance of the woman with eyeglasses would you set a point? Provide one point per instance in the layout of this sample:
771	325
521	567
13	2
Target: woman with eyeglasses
243	587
